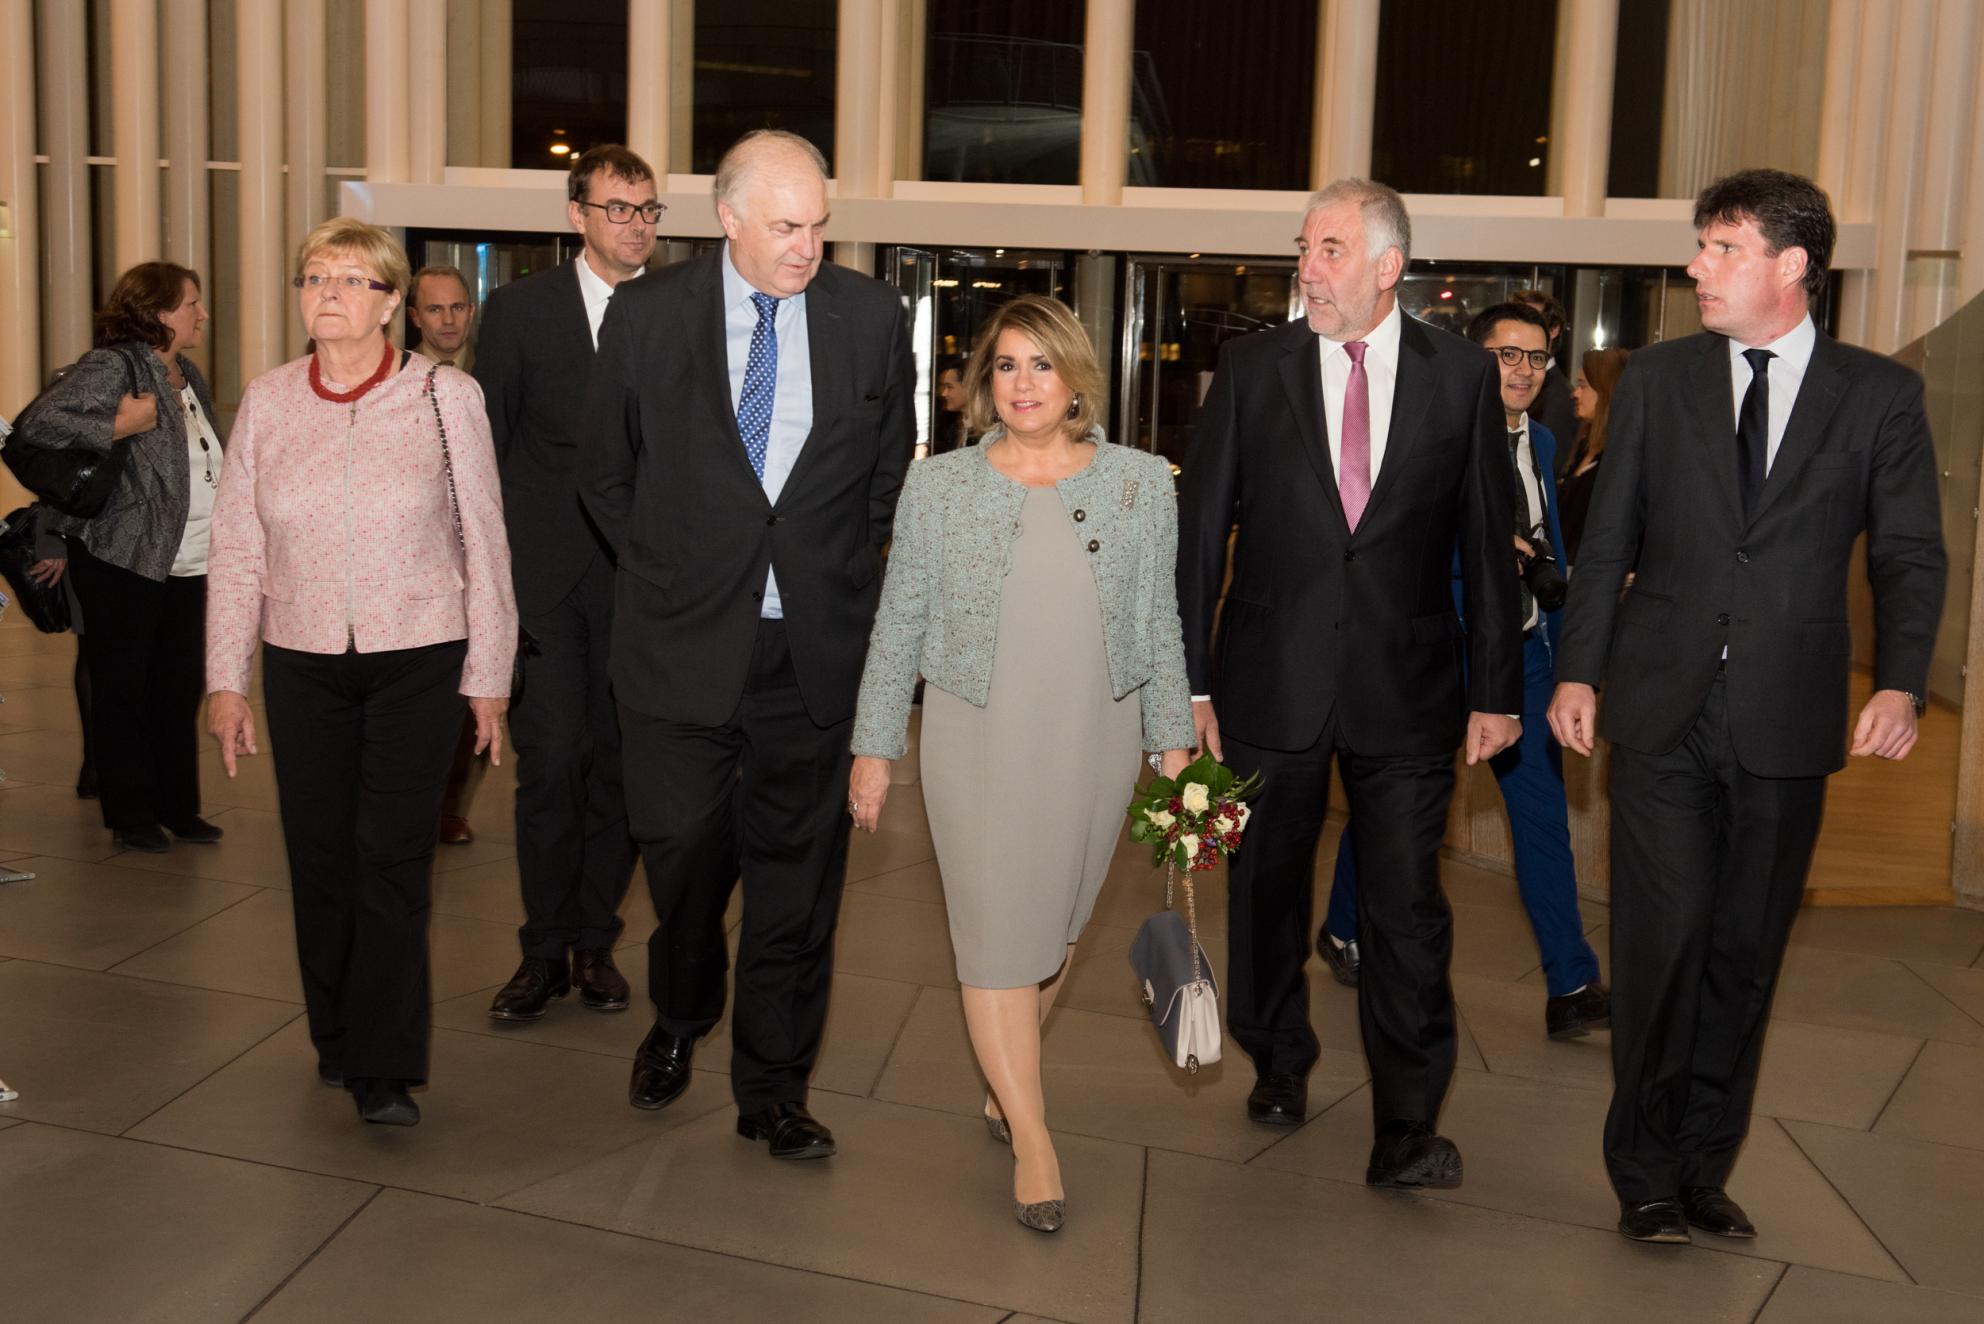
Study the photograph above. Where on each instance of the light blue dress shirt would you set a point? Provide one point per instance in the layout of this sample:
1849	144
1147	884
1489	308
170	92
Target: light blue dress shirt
792	401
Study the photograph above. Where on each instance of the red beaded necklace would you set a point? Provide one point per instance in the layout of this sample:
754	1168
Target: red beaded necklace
346	397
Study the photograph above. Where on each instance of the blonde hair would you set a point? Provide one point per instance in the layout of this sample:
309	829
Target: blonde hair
371	245
1061	340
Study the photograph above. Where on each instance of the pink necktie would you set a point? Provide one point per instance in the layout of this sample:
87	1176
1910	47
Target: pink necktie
1353	481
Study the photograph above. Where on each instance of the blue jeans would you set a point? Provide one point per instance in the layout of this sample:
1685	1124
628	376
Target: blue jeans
1531	776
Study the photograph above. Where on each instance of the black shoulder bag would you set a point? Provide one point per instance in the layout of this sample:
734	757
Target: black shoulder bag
74	480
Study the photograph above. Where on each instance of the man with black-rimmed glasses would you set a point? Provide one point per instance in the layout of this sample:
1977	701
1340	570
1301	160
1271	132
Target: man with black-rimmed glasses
534	361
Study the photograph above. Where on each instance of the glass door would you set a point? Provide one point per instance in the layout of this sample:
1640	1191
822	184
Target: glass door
1177	313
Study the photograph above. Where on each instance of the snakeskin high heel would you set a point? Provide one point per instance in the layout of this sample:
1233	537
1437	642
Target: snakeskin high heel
1042	1215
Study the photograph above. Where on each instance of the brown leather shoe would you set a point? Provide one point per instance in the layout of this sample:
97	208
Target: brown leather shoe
455	830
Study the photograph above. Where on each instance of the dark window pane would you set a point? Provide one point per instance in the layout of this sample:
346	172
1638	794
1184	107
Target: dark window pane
568	71
1223	95
1002	89
763	64
1639	84
1464	96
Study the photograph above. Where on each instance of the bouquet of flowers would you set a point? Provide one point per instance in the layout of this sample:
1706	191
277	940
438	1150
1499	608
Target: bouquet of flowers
1195	821
1190	823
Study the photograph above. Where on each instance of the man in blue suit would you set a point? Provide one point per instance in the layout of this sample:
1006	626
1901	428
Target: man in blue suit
1530	772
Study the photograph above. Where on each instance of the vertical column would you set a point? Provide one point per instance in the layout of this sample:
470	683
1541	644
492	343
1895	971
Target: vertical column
464	83
65	220
912	51
495	82
258	86
1346	90
1106	101
682	87
427	60
306	189
1901	171
134	121
650	81
1836	124
1970	277
1581	150
1948	155
388	98
20	235
858	77
188	224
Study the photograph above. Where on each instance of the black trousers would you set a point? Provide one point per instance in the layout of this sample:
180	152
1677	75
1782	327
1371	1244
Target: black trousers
362	743
765	795
1708	869
1405	1006
144	647
574	854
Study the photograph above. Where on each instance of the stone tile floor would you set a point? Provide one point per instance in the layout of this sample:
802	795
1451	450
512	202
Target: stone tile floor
172	1157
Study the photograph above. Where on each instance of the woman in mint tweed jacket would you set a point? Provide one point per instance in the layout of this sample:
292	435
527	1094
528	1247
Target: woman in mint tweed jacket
1031	583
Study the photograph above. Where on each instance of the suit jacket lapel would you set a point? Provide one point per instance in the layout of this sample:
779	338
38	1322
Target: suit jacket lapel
827	338
1412	396
1715	422
1302	378
571	325
709	346
1818	396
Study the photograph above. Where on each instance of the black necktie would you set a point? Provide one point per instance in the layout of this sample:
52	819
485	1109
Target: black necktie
1753	429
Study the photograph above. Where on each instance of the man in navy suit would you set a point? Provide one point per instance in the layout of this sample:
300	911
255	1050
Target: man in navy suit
1530	772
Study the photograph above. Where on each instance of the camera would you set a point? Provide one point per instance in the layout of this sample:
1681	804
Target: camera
1541	572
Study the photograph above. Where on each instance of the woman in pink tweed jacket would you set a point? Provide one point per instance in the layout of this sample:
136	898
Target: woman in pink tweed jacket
358	533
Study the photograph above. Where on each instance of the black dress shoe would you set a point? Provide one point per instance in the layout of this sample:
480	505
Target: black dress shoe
1408	1155
1279	1100
150	840
1343	961
537	984
329	1074
661	1070
601	986
1654	1220
1575	1015
791	1130
1709	1209
196	830
384	1102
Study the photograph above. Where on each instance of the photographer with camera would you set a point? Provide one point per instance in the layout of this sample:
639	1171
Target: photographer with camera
1531	771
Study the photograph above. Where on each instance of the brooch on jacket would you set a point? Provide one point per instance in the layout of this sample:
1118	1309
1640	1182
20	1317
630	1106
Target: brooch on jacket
1129	494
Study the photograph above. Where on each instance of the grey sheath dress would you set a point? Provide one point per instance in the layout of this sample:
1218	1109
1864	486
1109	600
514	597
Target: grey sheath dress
1026	795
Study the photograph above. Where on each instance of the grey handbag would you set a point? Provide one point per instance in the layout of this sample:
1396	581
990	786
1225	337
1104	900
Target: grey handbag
1178	983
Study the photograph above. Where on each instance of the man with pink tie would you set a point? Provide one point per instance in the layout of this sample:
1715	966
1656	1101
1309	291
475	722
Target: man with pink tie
1354	450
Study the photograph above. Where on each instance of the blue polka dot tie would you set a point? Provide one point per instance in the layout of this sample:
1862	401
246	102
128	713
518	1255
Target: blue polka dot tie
754	406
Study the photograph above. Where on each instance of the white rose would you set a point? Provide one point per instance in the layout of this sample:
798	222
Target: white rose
1195	797
1160	817
1222	825
1191	845
1245	814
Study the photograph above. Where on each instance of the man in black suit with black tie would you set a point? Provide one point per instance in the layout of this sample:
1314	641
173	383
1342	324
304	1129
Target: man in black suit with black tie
751	420
534	359
1740	466
1355	449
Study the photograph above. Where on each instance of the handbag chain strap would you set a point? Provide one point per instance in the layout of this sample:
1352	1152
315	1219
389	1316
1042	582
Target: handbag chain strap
447	460
1191	911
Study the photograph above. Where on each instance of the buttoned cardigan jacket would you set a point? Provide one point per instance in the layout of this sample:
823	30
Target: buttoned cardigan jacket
939	613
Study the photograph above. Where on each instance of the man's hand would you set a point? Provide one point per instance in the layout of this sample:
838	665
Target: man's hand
135	414
1574	716
1206	727
1488	734
1887	726
867	790
232	724
488	715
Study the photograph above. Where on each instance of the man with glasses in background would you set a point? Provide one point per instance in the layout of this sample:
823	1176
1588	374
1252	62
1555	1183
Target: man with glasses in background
1530	772
534	360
